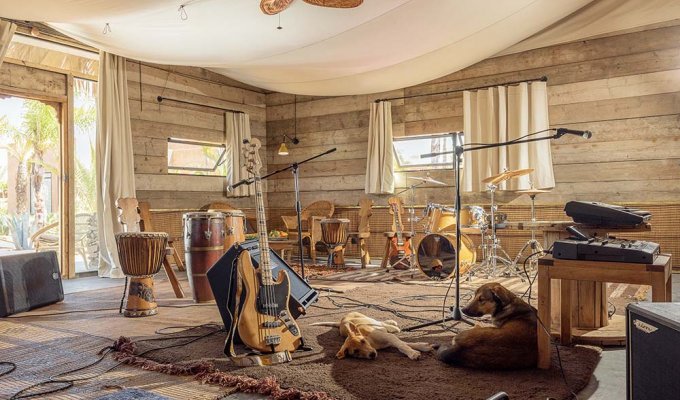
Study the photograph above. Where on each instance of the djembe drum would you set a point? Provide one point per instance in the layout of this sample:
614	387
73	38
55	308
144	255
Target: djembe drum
204	235
334	235
141	255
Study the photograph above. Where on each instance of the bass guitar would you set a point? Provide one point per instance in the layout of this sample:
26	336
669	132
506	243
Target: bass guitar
264	322
400	245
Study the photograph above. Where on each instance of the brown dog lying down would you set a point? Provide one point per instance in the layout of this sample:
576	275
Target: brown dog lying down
510	343
364	336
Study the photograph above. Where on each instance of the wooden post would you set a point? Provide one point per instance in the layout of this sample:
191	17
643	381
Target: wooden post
543	326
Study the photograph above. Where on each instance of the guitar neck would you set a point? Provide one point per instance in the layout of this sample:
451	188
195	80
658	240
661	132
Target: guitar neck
263	237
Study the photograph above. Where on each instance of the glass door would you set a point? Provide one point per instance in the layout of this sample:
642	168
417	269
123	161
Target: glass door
30	160
84	182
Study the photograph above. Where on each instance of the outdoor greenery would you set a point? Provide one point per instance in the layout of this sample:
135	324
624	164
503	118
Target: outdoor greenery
30	144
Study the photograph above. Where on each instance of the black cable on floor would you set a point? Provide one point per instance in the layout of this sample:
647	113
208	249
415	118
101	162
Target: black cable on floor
68	383
12	367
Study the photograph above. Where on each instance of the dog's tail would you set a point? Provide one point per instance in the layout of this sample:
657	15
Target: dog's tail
334	324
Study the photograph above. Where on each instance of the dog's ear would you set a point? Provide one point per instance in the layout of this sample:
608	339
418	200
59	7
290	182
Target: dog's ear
501	295
353	330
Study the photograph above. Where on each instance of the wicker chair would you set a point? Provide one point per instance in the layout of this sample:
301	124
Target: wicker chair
311	217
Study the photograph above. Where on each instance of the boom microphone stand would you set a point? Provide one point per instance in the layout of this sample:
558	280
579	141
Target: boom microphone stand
458	150
294	167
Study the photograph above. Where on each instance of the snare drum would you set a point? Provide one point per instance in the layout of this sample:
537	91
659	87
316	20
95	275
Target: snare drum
436	256
235	227
204	238
473	219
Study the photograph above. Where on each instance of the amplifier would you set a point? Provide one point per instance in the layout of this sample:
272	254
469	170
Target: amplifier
29	280
222	277
652	351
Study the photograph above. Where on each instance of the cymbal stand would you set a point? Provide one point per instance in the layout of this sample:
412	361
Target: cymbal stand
532	243
493	246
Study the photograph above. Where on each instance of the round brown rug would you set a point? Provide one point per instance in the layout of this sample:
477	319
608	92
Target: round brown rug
392	375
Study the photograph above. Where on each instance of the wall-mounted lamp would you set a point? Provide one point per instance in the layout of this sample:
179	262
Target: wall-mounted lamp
283	149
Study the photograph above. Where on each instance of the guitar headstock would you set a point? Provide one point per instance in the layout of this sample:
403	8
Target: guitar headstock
396	204
251	155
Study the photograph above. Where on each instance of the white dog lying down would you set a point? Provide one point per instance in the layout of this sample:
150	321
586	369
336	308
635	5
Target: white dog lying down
364	336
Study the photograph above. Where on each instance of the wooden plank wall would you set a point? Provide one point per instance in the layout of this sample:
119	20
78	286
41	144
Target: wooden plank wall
154	123
625	88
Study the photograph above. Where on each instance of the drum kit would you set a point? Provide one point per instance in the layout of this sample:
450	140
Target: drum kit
435	254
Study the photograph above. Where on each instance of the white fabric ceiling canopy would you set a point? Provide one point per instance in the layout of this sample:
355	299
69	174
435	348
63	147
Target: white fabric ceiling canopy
381	45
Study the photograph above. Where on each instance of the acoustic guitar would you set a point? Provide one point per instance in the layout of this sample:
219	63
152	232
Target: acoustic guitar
400	245
265	323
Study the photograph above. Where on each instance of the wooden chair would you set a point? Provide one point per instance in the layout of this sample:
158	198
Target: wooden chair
146	226
311	217
391	234
130	218
364	230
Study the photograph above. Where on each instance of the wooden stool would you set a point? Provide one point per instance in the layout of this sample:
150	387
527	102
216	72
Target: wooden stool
334	234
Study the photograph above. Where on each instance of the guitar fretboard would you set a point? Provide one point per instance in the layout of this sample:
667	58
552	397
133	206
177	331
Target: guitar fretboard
263	236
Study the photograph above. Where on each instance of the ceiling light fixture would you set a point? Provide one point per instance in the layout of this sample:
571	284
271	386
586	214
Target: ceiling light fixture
183	13
107	29
283	149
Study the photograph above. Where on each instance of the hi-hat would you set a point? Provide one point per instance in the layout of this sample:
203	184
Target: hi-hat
427	179
505	175
533	192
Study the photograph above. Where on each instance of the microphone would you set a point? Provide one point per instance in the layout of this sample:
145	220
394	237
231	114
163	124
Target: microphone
563	131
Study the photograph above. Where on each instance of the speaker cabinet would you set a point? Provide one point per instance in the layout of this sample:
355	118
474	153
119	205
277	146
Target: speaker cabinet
222	277
653	351
29	280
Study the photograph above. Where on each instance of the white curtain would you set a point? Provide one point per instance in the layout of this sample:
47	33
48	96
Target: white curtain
500	114
236	128
6	32
115	161
380	162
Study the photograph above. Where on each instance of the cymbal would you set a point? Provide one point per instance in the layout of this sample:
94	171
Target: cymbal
427	179
532	192
505	175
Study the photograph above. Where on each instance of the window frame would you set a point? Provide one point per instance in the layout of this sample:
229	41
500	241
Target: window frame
220	160
460	139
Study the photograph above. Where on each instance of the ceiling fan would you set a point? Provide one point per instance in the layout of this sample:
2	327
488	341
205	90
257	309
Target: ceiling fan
271	7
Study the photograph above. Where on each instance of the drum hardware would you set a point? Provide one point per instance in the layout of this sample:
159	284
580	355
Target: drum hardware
458	151
532	243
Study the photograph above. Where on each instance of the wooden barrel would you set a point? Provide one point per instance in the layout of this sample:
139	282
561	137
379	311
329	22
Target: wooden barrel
203	245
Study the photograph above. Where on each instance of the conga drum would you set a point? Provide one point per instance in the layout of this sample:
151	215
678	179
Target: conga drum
204	234
141	255
334	234
436	256
235	227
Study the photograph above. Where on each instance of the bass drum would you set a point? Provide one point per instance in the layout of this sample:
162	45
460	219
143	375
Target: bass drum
436	255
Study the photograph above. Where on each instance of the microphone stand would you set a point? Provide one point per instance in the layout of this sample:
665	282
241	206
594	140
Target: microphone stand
458	150
294	167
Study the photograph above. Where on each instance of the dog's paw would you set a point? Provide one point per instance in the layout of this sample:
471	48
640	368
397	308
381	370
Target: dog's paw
415	355
433	347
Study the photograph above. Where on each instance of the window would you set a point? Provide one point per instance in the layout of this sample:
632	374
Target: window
407	151
196	158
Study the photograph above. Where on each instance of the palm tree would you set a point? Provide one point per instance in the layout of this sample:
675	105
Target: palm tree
41	130
21	150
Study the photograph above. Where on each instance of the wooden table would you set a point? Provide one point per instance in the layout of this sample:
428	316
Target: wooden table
656	275
589	298
282	245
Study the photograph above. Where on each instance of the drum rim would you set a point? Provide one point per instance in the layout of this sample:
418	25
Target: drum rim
202	215
229	213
